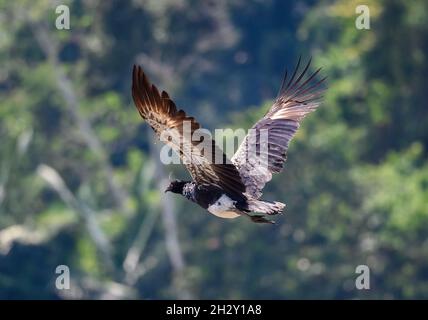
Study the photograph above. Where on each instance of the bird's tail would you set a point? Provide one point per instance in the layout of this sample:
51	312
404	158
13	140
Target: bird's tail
267	207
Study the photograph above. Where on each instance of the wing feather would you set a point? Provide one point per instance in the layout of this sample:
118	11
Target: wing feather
296	98
176	129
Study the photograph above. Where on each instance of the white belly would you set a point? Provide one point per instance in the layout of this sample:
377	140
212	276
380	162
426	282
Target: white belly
224	208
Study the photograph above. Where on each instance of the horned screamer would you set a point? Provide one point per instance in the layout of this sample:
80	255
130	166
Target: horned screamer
230	188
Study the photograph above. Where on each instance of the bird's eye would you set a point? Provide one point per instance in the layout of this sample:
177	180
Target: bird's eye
218	203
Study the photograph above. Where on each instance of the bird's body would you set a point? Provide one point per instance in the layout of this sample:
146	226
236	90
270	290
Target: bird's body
213	199
230	188
218	202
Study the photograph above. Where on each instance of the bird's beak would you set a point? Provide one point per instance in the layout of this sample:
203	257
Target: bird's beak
167	189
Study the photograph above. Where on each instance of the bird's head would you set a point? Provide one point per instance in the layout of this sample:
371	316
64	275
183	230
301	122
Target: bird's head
176	186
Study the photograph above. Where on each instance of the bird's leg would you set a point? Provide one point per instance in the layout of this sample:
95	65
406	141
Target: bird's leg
259	218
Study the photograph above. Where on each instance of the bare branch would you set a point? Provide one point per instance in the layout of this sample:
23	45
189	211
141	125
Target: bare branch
65	86
171	231
52	177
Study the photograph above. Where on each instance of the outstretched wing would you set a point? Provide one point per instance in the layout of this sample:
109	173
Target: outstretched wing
264	149
199	153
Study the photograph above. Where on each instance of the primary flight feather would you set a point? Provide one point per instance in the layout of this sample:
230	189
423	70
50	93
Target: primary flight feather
229	188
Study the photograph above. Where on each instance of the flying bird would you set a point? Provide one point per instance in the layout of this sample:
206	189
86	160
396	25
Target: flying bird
230	188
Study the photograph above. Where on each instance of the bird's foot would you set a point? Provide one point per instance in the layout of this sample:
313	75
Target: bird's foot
258	218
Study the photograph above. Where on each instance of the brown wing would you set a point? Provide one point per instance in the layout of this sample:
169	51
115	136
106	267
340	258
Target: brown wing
264	149
199	153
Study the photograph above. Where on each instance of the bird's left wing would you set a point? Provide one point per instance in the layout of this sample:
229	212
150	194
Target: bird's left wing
199	153
264	149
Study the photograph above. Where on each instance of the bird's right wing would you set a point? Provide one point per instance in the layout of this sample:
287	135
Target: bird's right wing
206	163
263	151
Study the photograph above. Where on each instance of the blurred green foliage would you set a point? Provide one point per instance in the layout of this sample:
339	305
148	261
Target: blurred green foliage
355	183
